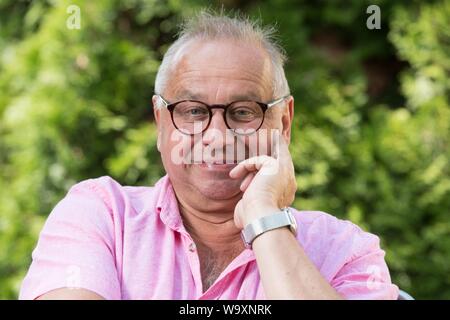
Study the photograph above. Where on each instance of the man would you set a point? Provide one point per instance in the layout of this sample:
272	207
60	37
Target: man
221	86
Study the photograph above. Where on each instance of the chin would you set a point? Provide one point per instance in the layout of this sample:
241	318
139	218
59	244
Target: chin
218	188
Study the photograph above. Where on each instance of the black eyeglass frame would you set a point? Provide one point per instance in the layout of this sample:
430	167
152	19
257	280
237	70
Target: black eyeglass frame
224	107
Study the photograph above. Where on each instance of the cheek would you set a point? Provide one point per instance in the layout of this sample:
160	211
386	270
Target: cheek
268	136
174	147
272	120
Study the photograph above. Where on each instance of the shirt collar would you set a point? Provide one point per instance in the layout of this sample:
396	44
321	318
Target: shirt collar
169	213
167	205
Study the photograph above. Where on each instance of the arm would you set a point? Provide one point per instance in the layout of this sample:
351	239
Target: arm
286	271
76	249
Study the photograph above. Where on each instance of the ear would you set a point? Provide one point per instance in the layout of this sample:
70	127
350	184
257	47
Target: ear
286	119
156	110
157	116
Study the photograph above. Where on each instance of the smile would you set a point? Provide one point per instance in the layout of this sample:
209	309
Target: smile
217	166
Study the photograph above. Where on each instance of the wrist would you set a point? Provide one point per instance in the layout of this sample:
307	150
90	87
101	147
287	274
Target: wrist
258	211
275	220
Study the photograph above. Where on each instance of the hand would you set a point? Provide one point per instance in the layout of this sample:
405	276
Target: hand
268	185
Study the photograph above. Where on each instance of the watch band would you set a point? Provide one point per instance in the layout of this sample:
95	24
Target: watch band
267	223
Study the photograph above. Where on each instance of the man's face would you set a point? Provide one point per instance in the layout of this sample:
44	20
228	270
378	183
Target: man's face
215	72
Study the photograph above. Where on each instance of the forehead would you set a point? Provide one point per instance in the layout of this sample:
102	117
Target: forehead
221	70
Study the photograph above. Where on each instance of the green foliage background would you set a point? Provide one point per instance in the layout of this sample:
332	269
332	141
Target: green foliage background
371	132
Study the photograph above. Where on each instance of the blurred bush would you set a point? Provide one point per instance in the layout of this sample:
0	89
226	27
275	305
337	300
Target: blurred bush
370	137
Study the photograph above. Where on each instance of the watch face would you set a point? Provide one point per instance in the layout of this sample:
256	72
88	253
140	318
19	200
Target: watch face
293	222
246	244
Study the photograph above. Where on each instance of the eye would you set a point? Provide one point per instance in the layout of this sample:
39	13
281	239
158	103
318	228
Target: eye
191	110
196	111
242	112
242	115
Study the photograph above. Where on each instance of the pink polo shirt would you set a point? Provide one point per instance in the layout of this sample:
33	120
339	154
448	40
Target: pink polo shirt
130	243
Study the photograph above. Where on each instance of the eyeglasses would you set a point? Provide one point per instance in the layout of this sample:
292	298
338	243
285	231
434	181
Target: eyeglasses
242	117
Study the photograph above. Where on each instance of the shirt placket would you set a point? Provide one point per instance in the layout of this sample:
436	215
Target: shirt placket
190	249
216	290
171	218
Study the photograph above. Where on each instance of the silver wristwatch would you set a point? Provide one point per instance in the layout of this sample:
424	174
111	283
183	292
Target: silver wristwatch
264	224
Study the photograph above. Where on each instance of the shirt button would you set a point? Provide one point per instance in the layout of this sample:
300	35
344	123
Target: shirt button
192	247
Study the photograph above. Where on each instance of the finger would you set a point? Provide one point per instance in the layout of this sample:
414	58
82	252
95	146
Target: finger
250	165
246	182
240	170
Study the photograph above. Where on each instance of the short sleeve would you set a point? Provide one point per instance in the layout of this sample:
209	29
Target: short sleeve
76	248
365	276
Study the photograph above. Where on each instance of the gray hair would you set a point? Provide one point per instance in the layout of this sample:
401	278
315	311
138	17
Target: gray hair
209	26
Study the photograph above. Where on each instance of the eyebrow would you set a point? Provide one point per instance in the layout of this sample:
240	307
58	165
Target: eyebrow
185	94
246	96
188	95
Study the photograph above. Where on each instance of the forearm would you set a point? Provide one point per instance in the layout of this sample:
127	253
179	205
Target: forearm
285	269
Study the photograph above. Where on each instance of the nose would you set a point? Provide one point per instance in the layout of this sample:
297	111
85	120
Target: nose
217	129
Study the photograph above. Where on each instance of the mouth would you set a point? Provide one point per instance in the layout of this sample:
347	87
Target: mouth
217	165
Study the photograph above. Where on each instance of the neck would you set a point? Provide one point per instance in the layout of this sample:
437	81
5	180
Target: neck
214	230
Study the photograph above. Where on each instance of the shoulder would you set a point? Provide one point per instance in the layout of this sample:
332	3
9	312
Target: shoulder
105	199
321	232
319	221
